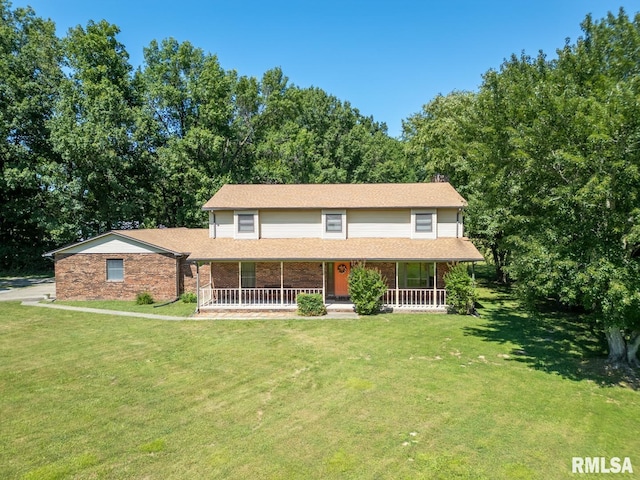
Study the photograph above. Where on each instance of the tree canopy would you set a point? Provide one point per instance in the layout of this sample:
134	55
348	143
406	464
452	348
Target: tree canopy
89	144
547	152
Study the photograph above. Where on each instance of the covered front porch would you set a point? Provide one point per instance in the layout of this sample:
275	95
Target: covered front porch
276	285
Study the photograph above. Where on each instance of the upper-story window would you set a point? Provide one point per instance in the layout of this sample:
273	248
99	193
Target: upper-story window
333	222
246	223
424	222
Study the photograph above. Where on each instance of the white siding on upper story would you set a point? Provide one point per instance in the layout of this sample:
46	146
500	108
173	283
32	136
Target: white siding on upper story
112	244
290	224
448	223
378	223
360	223
223	226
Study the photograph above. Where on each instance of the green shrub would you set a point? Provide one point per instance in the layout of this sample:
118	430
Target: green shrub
461	289
310	304
366	288
188	297
144	298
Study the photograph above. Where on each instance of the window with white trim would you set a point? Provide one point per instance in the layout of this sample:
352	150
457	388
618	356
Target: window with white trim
246	224
115	270
334	224
424	223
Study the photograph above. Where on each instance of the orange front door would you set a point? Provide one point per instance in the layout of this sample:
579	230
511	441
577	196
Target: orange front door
341	276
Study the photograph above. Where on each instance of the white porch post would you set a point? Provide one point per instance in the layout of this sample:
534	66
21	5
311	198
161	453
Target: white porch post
197	287
239	283
324	297
281	283
397	284
435	284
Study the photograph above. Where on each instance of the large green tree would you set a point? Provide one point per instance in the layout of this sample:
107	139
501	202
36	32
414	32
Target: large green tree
454	137
308	136
187	117
577	155
547	153
105	178
30	73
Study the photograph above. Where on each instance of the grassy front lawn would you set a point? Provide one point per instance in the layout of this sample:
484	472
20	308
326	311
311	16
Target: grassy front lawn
504	396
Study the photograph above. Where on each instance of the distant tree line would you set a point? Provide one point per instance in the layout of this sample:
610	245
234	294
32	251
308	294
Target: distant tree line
547	152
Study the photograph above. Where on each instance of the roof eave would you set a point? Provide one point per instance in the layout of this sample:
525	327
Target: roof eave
53	253
332	259
307	207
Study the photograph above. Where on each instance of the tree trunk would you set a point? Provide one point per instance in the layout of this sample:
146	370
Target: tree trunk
499	261
632	349
617	346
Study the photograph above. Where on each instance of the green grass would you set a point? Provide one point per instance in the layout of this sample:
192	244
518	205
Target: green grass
176	309
504	396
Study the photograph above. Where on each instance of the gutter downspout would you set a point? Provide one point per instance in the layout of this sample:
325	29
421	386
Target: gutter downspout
178	273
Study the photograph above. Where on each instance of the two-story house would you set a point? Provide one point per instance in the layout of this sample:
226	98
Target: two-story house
267	243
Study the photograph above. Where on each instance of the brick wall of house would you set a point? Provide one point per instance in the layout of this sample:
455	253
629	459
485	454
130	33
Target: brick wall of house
267	274
84	276
388	269
296	274
188	278
225	275
303	274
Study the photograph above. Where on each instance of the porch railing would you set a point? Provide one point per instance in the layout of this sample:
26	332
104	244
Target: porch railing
251	296
404	297
415	297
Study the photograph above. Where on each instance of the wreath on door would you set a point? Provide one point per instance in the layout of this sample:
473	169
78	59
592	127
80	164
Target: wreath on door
342	268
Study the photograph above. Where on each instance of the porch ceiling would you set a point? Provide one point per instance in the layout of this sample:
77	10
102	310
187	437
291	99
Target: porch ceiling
296	249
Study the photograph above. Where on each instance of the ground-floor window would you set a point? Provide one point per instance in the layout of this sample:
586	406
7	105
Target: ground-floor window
330	280
115	270
248	274
415	275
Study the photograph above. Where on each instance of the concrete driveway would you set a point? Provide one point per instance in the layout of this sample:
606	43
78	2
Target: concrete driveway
26	288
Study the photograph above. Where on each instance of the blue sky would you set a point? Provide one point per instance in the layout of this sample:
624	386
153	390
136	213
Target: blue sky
387	58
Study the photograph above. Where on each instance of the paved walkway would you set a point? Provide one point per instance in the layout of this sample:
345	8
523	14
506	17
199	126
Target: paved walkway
100	311
208	316
31	292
